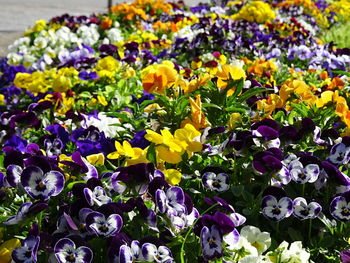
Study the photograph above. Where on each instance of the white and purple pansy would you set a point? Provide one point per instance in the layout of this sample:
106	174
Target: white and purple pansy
211	242
28	251
340	154
42	186
96	222
130	254
98	196
216	182
20	216
303	210
172	201
53	147
304	173
340	207
66	251
276	209
152	253
13	175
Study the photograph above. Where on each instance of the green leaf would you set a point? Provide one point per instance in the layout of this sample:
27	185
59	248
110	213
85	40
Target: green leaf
251	92
340	72
70	185
2	161
210	105
151	153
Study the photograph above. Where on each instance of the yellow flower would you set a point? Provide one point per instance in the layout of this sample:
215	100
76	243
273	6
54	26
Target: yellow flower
197	119
2	99
96	159
256	11
102	100
228	72
6	249
234	121
157	78
172	176
107	67
134	155
188	135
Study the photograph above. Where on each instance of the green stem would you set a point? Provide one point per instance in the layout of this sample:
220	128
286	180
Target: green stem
277	228
182	250
309	232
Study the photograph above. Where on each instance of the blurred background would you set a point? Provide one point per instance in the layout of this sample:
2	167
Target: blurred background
17	15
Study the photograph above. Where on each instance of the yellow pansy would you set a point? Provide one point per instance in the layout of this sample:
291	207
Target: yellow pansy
229	72
96	159
6	249
197	118
234	121
172	176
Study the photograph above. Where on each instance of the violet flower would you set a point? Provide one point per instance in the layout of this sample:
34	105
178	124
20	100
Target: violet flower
303	210
302	171
216	182
152	253
276	209
28	251
39	185
66	251
211	242
98	196
340	154
172	201
130	254
340	207
24	211
96	222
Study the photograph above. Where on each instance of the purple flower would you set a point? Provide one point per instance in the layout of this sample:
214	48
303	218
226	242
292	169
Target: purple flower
83	75
268	161
304	174
345	256
171	202
340	207
151	253
24	211
303	211
211	242
130	254
216	182
39	185
66	251
276	209
54	147
340	154
96	222
13	175
27	252
98	196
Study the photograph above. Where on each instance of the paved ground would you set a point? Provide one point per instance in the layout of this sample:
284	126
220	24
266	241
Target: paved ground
18	15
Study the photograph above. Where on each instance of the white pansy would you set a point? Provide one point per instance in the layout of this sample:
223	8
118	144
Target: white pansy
293	253
260	240
88	34
243	243
14	58
115	35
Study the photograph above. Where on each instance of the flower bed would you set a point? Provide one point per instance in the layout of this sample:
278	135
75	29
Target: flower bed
165	133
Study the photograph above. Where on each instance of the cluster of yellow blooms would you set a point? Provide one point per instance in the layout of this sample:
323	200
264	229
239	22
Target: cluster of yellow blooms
256	11
340	8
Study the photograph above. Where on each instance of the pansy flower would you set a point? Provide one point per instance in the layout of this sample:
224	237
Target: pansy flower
130	254
216	182
152	253
39	185
275	205
340	207
303	210
340	154
96	222
24	211
28	251
211	242
302	171
98	196
66	251
172	201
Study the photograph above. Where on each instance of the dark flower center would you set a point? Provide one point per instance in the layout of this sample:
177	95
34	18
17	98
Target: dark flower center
276	210
103	228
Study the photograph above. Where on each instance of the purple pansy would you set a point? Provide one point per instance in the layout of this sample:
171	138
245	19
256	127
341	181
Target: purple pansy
13	175
211	242
340	207
130	254
340	154
96	222
20	216
152	253
39	185
66	251
216	182
28	251
276	209
98	196
345	256
172	201
303	210
304	174
54	147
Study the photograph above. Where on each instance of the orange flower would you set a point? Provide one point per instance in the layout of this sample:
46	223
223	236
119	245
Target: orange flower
158	78
106	23
197	119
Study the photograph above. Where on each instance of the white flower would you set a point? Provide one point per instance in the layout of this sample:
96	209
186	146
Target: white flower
14	59
89	34
260	240
243	243
115	35
295	253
